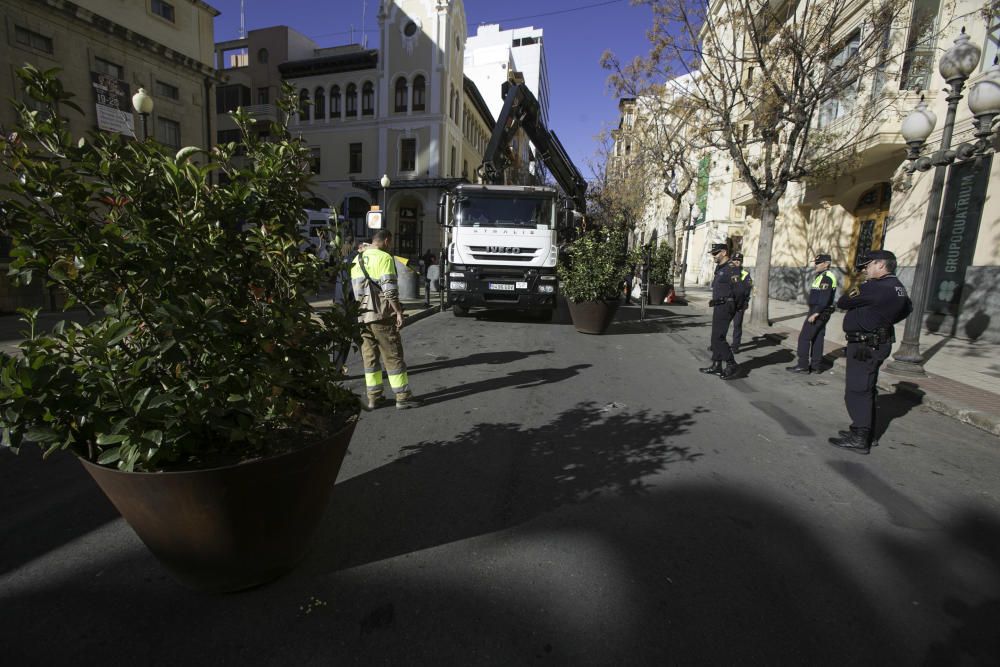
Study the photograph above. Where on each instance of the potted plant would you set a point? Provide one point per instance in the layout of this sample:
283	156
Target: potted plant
591	275
202	394
660	265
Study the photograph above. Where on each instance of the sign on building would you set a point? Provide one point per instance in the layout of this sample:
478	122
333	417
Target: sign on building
114	104
964	198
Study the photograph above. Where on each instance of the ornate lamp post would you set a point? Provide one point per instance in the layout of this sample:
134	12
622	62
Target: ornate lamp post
142	102
984	100
385	192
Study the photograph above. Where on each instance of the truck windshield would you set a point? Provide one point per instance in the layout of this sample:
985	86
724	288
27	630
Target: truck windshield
507	211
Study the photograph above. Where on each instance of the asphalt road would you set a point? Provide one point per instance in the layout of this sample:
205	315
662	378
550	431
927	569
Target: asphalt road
561	499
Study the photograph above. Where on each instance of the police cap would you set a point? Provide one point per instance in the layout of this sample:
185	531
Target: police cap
717	247
876	254
820	258
738	257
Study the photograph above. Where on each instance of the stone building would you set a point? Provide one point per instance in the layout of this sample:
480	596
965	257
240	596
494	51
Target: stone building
107	50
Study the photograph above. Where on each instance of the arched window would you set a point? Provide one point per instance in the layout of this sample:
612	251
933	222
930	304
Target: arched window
400	94
262	56
451	102
335	102
351	103
319	104
419	93
367	99
304	105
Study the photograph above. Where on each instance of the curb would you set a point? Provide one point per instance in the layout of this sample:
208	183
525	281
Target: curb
981	420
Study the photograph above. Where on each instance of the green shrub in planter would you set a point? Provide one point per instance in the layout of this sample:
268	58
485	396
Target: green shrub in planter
661	265
203	348
594	265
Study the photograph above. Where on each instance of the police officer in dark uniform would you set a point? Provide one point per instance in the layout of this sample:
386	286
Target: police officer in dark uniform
725	294
813	333
742	301
872	311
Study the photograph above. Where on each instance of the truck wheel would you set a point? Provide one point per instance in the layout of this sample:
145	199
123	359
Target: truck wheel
460	311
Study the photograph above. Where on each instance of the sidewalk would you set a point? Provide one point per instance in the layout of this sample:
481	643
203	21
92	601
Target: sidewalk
963	377
12	327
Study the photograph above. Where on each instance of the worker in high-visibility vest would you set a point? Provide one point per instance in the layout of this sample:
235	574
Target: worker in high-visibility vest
375	283
813	333
743	300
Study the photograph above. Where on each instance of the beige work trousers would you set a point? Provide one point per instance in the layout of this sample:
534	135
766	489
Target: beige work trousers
381	342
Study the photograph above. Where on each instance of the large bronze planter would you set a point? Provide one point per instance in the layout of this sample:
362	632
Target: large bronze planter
592	317
657	293
231	528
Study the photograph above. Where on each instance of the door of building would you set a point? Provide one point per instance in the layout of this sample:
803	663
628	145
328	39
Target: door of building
408	243
870	218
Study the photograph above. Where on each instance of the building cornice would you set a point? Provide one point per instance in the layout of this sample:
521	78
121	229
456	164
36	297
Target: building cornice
345	62
106	25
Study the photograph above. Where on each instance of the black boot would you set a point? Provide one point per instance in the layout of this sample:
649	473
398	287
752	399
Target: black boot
714	369
847	434
856	440
797	369
731	371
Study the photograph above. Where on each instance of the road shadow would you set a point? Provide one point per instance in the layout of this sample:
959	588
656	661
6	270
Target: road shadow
47	503
525	379
891	407
757	343
493	476
782	356
490	358
797	316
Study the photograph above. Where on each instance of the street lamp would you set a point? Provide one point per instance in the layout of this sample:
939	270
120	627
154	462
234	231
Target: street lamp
679	292
142	102
385	197
984	101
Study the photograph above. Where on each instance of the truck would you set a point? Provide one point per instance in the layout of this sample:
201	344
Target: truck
503	239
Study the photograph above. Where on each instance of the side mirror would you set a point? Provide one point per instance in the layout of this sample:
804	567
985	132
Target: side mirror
442	208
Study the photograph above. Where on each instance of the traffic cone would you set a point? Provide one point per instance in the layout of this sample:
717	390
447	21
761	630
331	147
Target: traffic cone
670	296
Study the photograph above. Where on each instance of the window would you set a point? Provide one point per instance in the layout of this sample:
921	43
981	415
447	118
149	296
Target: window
164	89
163	9
400	94
32	39
408	155
262	56
918	61
465	169
355	158
232	136
304	105
351	103
102	66
410	29
263	96
168	132
367	99
314	159
335	102
842	103
454	163
319	104
419	93
228	98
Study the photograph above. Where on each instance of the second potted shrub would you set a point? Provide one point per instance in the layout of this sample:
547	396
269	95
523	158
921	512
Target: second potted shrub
591	276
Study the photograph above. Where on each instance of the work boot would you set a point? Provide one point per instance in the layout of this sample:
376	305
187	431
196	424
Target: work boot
714	369
856	441
731	371
847	434
407	403
375	402
797	369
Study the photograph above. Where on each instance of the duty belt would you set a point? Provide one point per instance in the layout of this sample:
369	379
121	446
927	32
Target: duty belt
871	338
719	302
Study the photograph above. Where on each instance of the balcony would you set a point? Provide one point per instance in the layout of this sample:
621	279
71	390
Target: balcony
266	112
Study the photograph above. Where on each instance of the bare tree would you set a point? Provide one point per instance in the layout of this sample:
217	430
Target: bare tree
769	75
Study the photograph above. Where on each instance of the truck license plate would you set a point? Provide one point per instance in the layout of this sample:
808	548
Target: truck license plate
521	285
503	287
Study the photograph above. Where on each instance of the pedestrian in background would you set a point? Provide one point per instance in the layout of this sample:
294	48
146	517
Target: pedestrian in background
813	333
375	283
872	310
725	291
742	301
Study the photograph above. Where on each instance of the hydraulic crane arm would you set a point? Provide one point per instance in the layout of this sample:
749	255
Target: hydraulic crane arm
521	110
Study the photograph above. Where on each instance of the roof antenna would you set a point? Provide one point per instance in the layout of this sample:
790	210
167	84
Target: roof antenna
364	14
243	19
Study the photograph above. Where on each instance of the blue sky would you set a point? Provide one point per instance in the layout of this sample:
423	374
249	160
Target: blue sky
576	34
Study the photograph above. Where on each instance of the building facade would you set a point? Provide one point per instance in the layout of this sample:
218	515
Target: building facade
107	50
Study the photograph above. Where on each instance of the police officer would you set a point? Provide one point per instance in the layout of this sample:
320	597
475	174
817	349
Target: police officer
813	333
872	311
743	300
725	295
